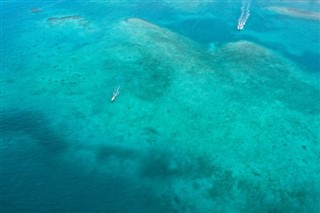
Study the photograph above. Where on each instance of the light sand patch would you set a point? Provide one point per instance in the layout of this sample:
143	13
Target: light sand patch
292	12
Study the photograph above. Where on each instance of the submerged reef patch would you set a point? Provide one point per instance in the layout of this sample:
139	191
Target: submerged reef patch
258	71
35	10
74	20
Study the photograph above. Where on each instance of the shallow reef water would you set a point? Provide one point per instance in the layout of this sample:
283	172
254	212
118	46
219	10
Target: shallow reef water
208	118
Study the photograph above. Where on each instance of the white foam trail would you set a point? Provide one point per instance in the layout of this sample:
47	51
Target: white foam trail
245	13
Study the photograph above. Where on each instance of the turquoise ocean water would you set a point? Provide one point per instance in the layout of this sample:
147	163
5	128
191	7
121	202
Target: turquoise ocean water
208	119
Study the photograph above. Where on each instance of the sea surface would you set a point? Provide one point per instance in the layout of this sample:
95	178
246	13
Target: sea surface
207	118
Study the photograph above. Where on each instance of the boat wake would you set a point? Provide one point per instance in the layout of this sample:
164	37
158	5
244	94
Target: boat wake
245	13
